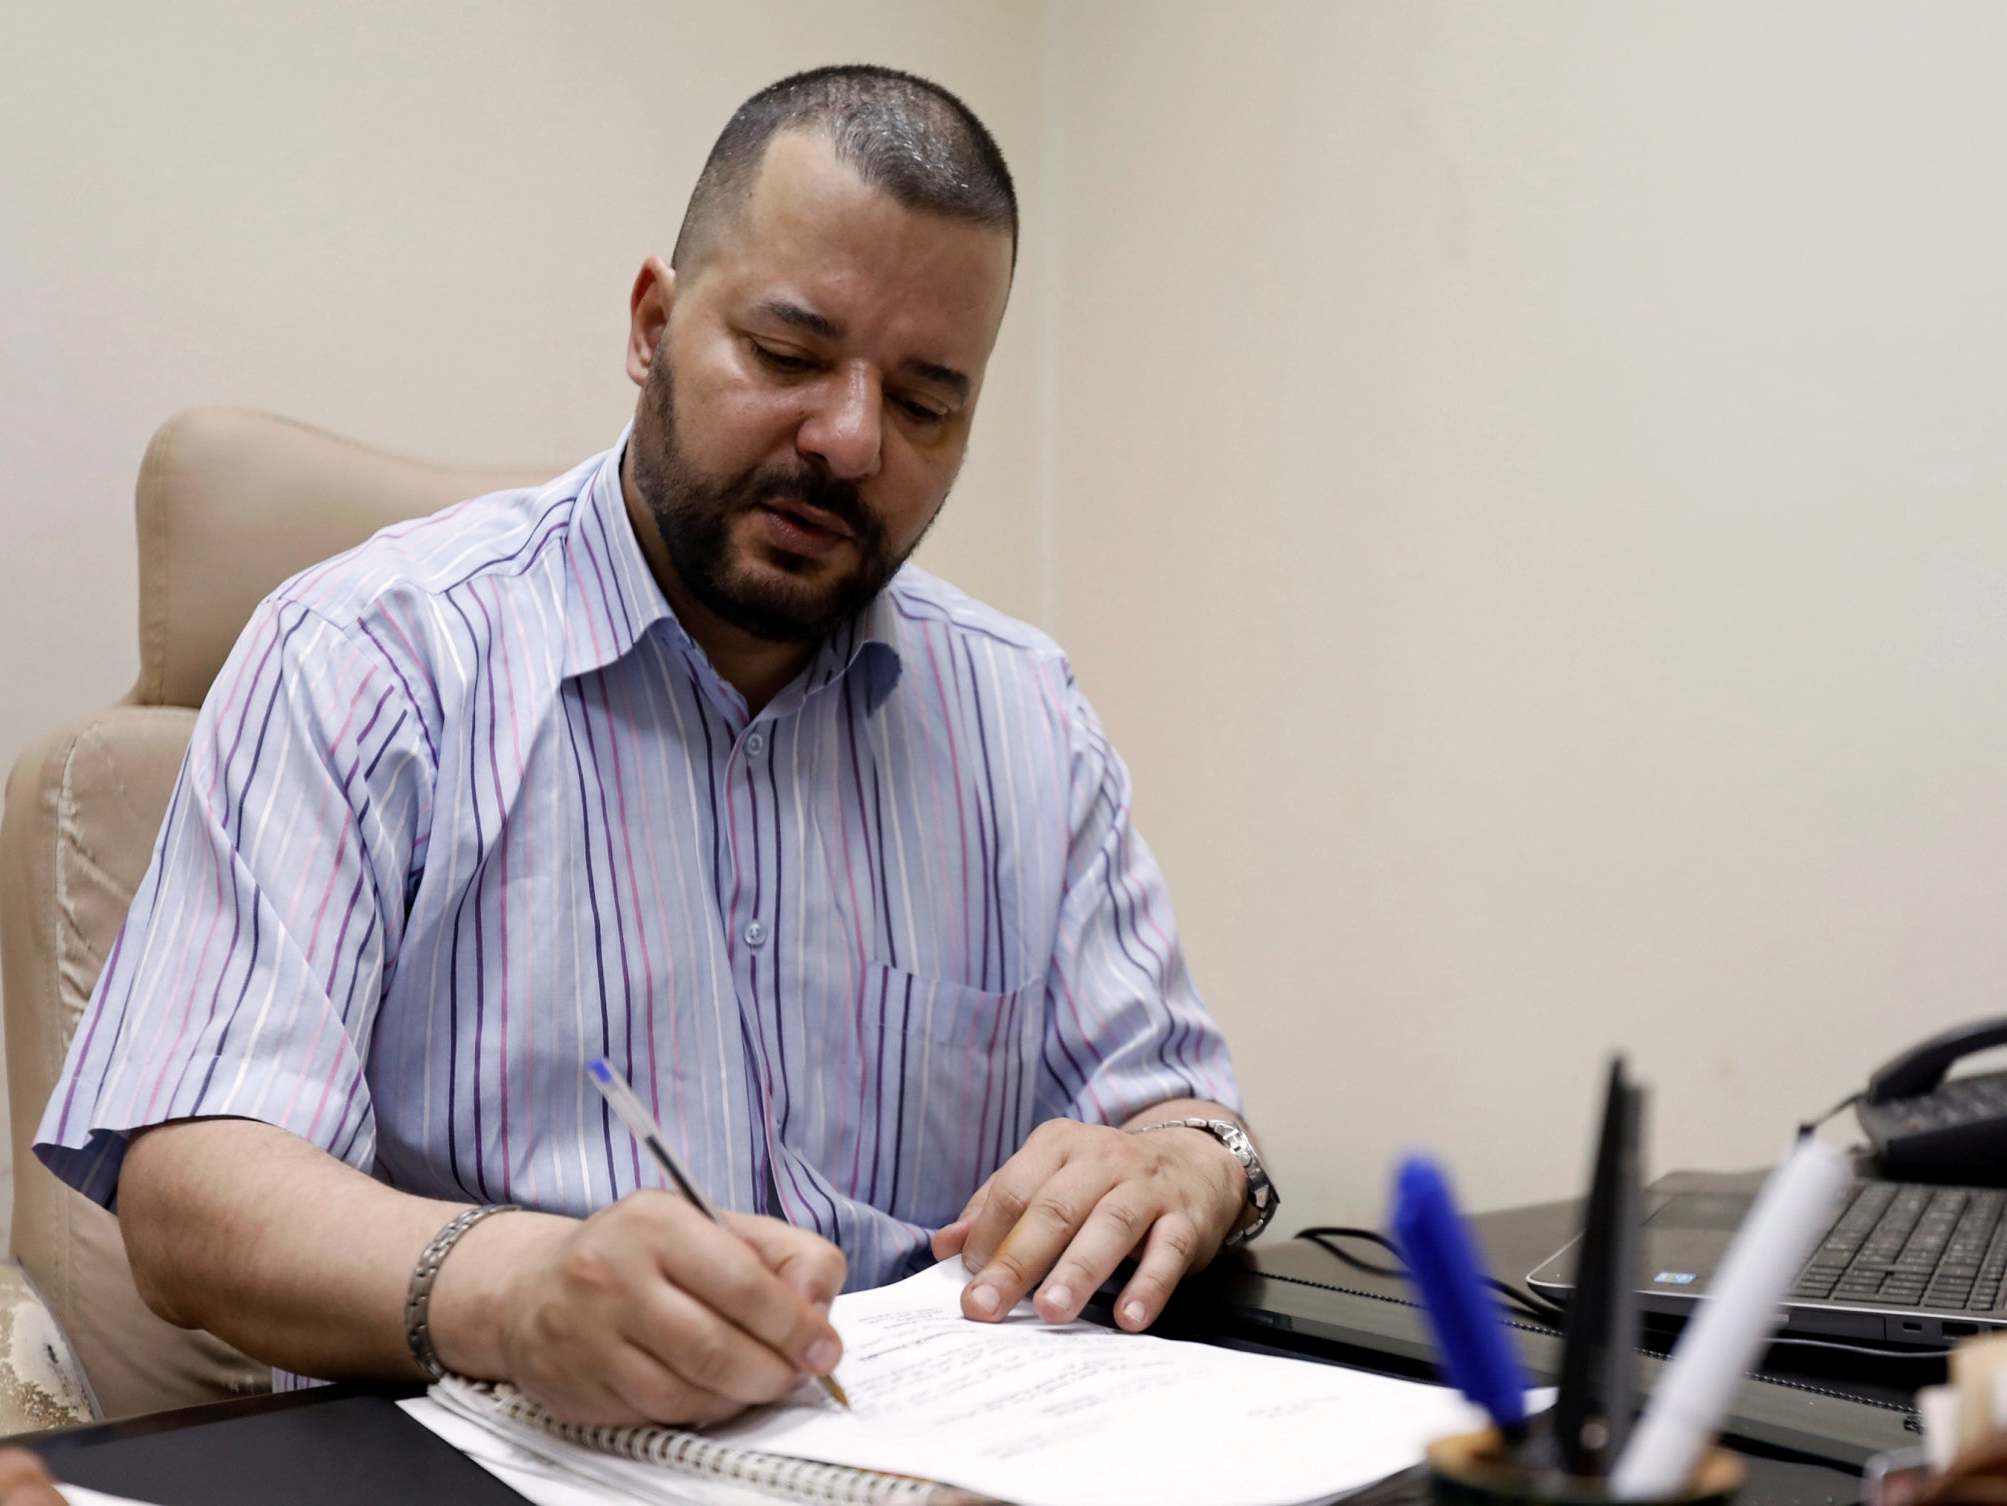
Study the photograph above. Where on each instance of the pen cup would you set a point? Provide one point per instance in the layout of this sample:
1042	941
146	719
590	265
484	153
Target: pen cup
1475	1469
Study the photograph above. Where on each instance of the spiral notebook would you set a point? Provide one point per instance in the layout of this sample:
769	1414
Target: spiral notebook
944	1410
631	1459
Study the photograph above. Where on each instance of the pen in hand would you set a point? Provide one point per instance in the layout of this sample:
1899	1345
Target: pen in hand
622	1100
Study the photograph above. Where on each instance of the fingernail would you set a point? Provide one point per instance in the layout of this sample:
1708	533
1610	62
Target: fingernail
1059	1297
822	1355
1133	1311
983	1299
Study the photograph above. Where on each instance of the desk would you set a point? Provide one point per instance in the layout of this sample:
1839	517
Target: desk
339	1445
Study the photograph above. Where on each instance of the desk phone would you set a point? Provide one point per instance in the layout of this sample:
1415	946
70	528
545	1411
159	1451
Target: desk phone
1927	1128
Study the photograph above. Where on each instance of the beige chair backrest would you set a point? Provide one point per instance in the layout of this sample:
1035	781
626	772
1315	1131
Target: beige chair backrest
230	503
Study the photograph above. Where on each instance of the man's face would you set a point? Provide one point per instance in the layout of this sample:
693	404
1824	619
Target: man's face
809	402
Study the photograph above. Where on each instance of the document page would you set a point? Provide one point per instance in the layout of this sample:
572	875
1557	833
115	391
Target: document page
1070	1414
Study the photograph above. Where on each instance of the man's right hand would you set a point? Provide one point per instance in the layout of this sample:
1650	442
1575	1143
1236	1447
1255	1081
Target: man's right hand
649	1312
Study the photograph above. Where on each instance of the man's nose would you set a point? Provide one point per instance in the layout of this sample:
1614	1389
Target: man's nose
846	428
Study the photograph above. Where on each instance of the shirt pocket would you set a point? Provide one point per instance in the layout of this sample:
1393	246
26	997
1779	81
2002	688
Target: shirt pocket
956	1082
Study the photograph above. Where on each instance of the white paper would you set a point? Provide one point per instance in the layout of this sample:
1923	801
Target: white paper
83	1495
1054	1415
1079	1415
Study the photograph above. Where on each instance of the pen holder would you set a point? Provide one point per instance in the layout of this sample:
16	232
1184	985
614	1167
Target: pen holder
1476	1469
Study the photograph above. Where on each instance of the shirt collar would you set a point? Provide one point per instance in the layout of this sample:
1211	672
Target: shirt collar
612	601
611	598
869	643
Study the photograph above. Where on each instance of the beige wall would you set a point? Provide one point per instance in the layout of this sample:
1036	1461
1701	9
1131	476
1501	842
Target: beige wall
1534	486
415	224
1523	483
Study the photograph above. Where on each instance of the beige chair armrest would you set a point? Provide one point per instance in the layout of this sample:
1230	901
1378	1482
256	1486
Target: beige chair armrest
82	810
41	1384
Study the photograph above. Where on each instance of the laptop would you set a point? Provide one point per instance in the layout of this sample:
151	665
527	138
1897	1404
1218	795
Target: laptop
1902	1263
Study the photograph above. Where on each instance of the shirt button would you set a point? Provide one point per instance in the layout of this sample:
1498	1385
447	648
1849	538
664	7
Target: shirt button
756	933
756	744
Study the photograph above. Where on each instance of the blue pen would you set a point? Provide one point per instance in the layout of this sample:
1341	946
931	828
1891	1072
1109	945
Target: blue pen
1442	1263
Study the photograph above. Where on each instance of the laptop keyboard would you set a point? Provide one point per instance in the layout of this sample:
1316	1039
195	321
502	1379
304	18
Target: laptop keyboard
1906	1245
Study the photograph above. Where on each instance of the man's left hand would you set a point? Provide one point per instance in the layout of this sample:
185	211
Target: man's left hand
1077	1200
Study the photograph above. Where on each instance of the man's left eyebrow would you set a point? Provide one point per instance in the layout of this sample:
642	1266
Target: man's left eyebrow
800	318
941	376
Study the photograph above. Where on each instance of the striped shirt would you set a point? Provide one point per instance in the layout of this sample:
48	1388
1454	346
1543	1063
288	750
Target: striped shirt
467	807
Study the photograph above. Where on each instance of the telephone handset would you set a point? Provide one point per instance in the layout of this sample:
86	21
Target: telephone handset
1926	1128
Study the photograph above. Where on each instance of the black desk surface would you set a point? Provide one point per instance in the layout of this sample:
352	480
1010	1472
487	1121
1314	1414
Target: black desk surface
342	1444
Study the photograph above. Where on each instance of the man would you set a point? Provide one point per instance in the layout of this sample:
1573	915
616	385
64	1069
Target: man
668	761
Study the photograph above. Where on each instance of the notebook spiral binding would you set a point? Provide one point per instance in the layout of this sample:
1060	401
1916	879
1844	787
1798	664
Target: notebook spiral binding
693	1453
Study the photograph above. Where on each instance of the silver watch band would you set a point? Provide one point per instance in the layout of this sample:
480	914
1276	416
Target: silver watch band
1262	1198
418	1300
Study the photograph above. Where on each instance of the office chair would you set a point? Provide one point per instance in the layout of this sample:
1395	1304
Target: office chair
229	504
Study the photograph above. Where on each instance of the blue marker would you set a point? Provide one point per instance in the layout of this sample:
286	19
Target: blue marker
1442	1263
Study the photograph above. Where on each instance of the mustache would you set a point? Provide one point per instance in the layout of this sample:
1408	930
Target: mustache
837	498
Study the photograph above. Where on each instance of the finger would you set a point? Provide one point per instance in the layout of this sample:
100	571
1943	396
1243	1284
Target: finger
19	1466
618	1383
1120	1222
640	1384
1172	1248
1052	1216
730	1277
952	1236
803	1259
710	1349
949	1238
25	1480
586	1400
1010	1188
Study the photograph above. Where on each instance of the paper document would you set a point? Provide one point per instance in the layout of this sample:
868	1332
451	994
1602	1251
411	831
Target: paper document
1071	1414
1064	1414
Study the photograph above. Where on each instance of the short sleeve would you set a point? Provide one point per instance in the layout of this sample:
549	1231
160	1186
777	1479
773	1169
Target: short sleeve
246	977
1125	1027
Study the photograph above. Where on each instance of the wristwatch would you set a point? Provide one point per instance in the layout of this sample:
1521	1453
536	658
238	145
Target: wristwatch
1262	1198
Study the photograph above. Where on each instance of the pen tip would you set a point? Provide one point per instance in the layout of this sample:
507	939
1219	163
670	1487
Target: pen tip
599	1068
835	1391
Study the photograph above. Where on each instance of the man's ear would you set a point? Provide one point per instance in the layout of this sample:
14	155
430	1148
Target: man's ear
647	316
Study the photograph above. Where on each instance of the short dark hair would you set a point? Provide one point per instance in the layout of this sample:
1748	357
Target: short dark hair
901	133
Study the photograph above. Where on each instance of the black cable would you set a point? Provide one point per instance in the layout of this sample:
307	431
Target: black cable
1537	1305
1810	1126
1539	1302
1538	1310
1320	1234
1871	1350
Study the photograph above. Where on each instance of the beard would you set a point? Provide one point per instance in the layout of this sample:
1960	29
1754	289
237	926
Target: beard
695	513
